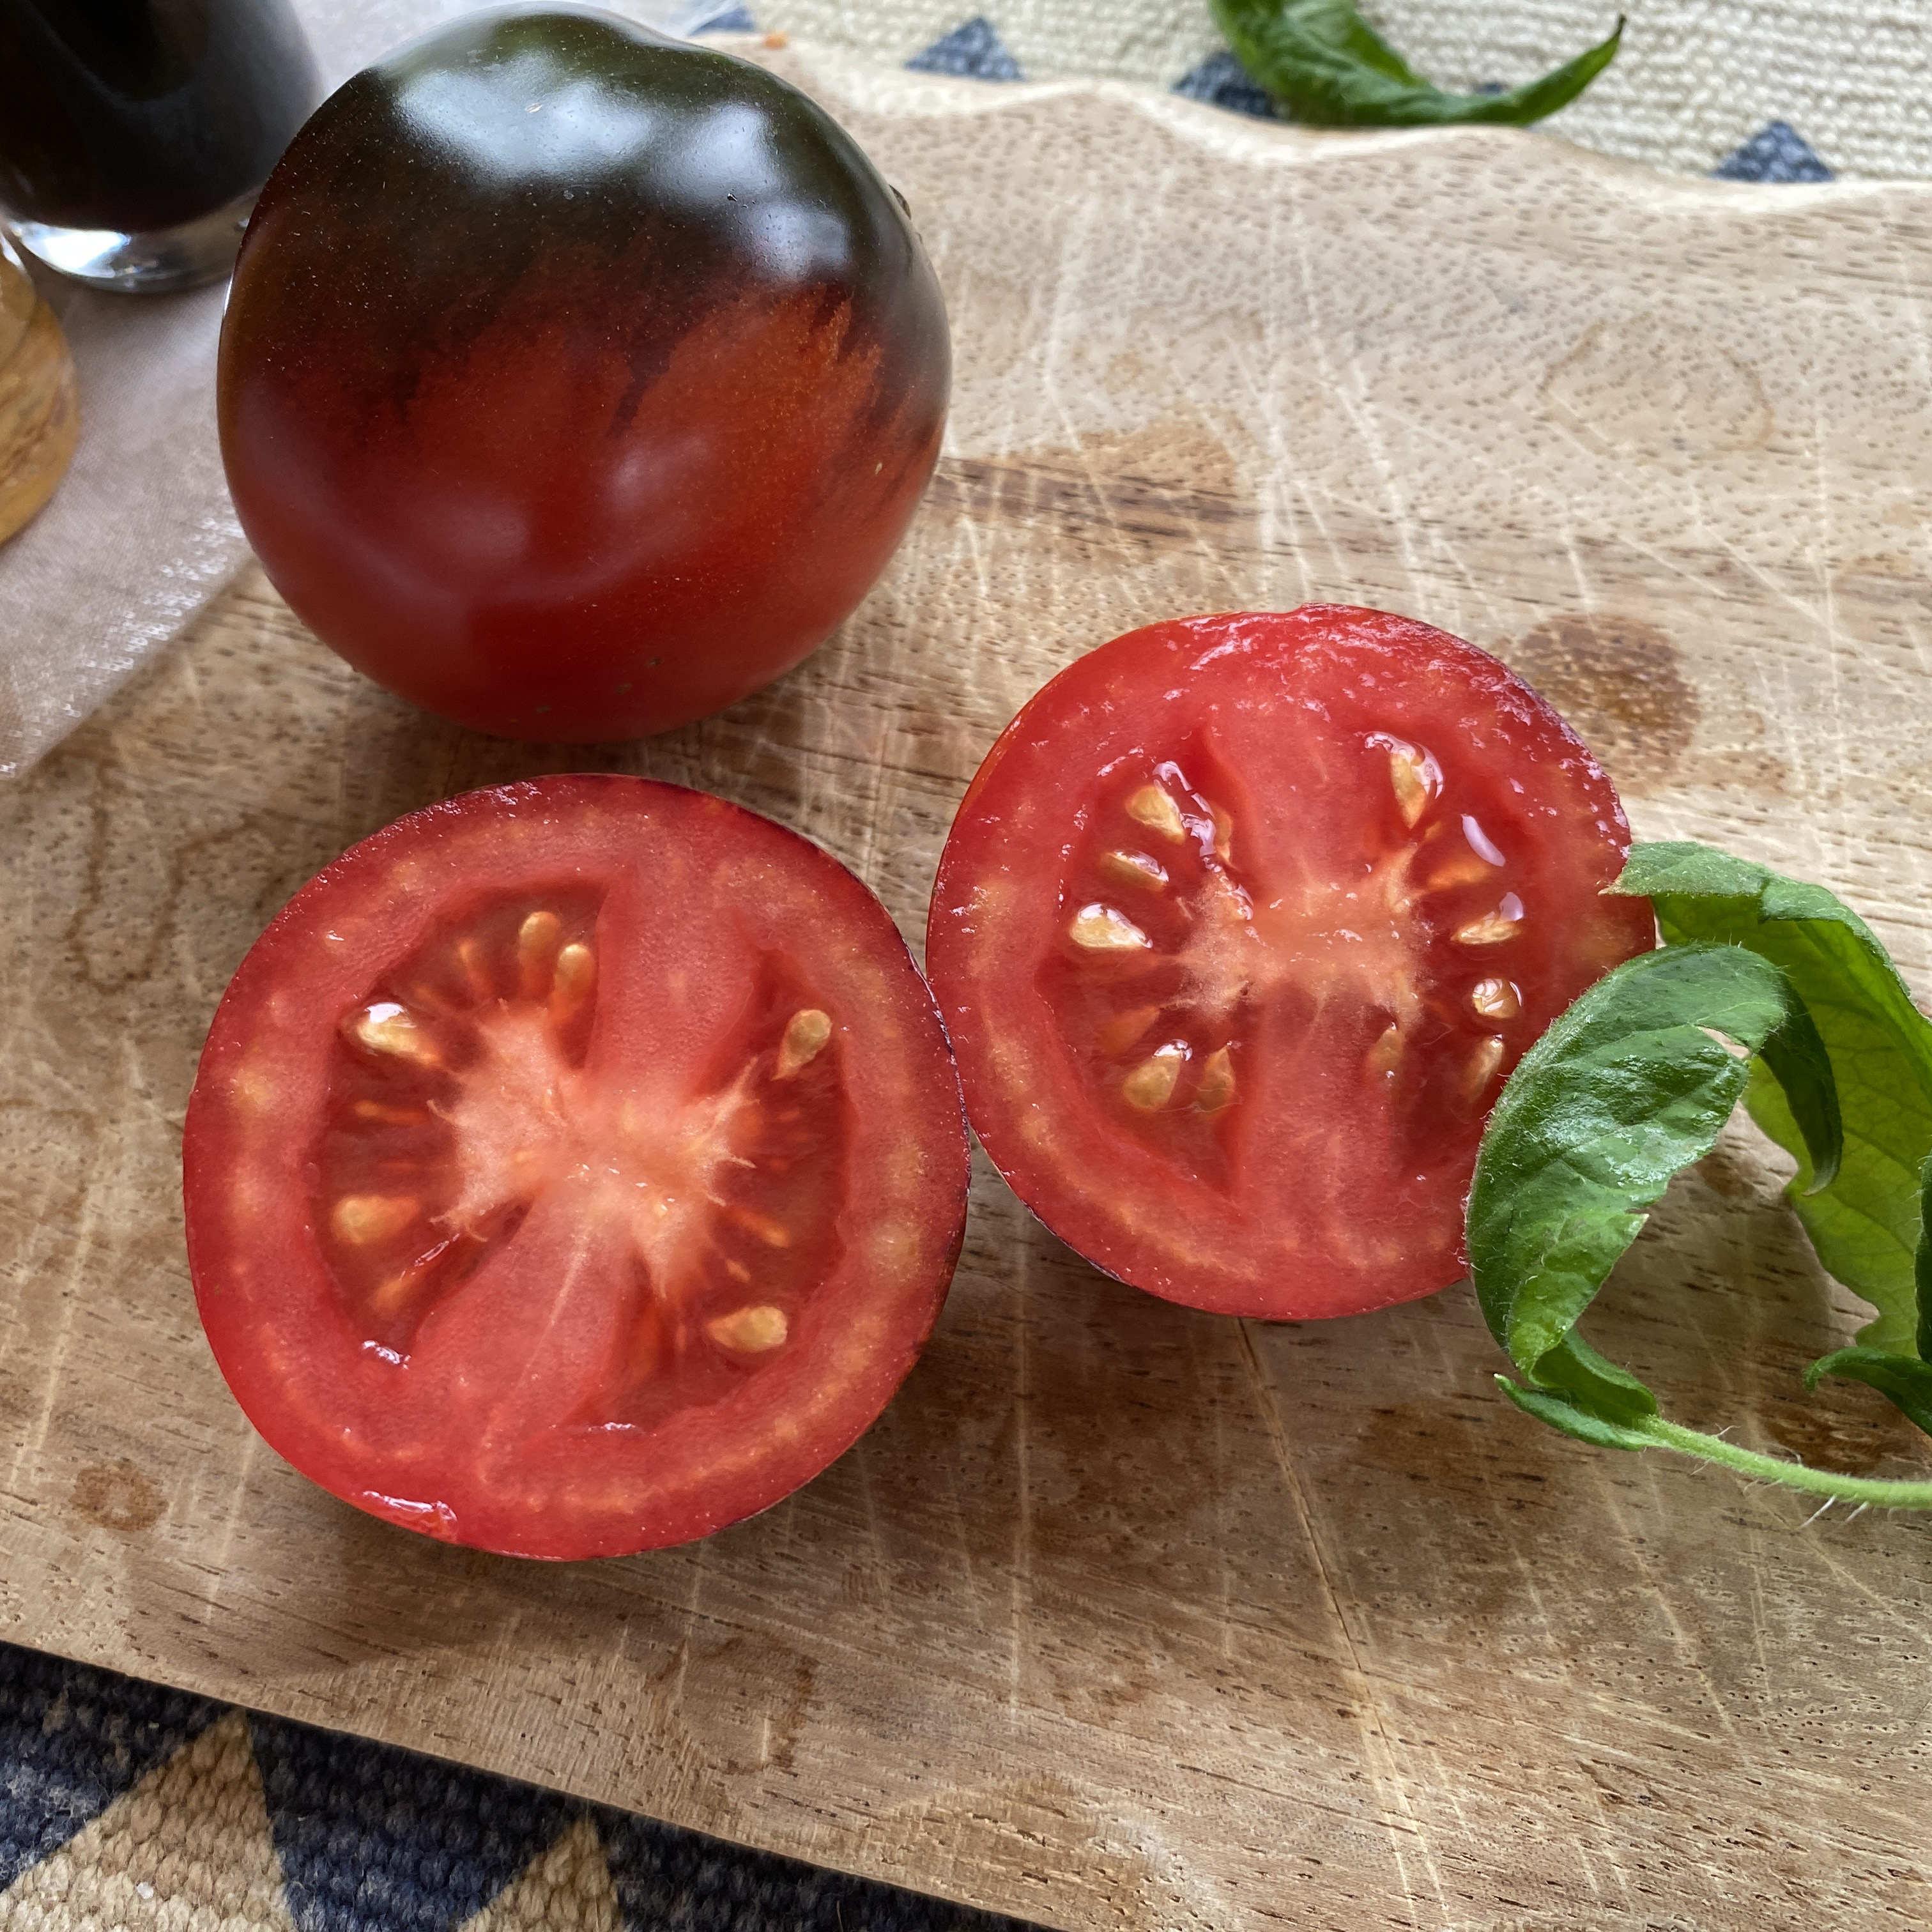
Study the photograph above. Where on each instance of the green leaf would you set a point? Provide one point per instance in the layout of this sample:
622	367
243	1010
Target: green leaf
1654	1432
1922	1267
1904	1379
1630	1084
1562	1413
1329	68
1633	1083
1866	1218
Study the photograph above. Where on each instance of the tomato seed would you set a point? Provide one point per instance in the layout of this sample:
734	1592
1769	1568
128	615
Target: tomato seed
1385	1055
380	1114
1155	807
576	973
1134	869
750	1331
1482	1068
1492	929
1496	999
773	1234
385	1028
1151	1083
536	952
1101	929
1117	1035
1224	834
1462	869
805	1034
1409	774
360	1220
397	1290
476	971
1217	1082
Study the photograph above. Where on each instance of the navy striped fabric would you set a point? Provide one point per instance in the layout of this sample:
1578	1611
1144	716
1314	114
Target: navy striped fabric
1777	152
368	1838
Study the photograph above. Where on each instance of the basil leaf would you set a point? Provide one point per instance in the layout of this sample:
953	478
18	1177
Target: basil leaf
1561	1413
1866	1218
1906	1379
1637	1079
1634	1082
1630	1084
1329	68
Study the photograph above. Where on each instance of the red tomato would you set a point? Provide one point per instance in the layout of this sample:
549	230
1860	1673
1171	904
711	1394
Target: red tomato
576	381
1239	929
573	1168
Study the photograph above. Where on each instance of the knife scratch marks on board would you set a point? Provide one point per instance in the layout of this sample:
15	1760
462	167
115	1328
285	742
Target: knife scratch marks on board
1611	1503
862	1461
1021	1585
1358	407
1383	1763
1284	485
1828	551
103	1208
219	1569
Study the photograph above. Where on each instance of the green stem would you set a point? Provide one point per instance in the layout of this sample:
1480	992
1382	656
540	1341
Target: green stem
1792	1475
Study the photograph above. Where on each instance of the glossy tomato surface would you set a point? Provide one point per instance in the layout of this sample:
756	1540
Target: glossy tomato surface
1240	928
576	381
573	1168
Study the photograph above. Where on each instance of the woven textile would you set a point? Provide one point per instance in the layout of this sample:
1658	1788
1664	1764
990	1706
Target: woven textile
123	1807
1695	82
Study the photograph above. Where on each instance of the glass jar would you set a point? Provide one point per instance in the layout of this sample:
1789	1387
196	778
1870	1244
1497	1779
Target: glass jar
39	406
135	134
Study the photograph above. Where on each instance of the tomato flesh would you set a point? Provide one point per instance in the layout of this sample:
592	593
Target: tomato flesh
573	1168
1240	928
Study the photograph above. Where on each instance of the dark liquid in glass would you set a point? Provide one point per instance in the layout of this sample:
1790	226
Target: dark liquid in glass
136	115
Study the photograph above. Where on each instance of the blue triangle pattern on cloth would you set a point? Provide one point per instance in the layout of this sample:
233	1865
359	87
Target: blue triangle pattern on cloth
727	20
973	49
72	1740
373	1839
1223	82
1776	152
671	1880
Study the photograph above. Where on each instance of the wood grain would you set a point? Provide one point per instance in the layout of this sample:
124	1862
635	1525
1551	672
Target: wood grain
1124	1616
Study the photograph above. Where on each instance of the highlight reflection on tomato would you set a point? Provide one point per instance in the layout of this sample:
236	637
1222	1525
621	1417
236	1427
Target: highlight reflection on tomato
576	381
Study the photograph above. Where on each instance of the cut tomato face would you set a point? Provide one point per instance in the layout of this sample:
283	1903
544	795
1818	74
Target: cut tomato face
573	1168
1238	932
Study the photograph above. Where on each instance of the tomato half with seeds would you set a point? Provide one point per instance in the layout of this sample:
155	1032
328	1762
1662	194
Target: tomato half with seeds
573	1167
1239	930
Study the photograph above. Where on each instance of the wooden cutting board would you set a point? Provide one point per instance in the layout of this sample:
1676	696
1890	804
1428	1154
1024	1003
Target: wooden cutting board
1124	1616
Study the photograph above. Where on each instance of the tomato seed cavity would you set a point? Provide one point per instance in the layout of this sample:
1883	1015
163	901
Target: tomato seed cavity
470	1076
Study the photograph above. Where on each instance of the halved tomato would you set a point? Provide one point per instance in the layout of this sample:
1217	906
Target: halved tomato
573	1168
1239	929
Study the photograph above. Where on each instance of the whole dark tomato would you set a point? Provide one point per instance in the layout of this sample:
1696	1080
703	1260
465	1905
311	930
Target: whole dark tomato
576	381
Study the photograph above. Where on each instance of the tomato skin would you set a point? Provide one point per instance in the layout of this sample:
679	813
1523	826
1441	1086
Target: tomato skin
1292	1139
576	382
403	1426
